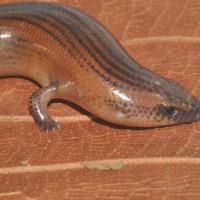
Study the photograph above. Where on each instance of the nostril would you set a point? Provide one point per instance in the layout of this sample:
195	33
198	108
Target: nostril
196	111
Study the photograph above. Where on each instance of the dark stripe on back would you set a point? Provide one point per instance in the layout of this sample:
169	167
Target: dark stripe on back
131	73
19	43
90	43
133	80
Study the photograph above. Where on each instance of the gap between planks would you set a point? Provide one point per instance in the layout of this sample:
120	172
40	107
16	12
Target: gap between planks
26	118
161	39
79	165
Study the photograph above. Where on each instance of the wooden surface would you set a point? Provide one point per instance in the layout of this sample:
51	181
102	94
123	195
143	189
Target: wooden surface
154	164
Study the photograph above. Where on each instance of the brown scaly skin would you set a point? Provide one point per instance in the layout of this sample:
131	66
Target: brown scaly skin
73	57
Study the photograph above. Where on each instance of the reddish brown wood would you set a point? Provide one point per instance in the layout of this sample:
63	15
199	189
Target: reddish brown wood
157	164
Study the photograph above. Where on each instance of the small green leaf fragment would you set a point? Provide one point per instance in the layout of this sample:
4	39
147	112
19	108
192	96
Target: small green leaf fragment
102	165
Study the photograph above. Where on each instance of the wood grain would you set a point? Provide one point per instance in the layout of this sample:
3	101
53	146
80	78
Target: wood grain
156	164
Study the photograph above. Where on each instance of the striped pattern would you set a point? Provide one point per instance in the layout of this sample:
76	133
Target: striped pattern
62	22
100	44
93	47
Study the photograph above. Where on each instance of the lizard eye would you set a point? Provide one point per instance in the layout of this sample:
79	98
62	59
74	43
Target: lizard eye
168	110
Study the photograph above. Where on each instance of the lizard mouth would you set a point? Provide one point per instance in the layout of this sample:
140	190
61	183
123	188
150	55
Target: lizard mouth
177	115
194	114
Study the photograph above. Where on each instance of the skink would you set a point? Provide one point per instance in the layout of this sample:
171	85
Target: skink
75	58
